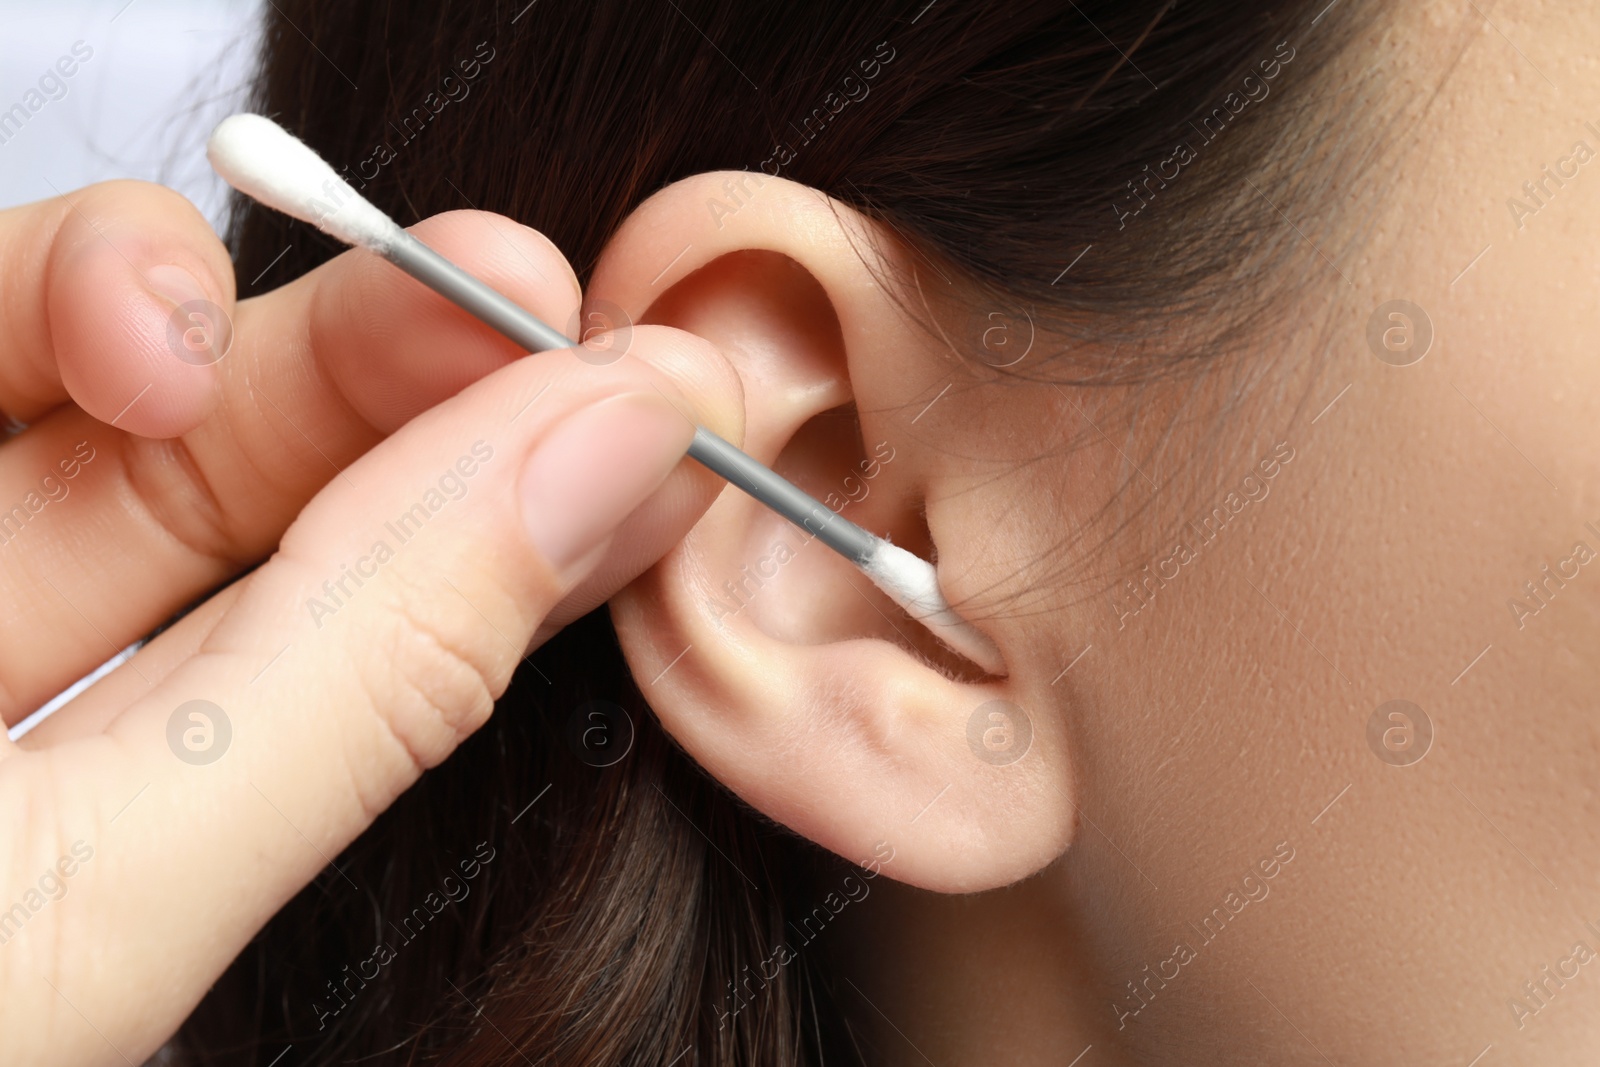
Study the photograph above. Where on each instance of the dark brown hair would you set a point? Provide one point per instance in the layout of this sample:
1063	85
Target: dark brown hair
611	909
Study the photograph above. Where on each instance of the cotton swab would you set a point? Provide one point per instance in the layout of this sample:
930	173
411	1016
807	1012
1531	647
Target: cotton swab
267	163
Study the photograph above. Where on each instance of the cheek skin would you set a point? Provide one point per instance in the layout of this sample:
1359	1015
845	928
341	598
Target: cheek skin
1231	713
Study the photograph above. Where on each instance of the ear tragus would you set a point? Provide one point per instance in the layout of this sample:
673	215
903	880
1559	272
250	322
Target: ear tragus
777	665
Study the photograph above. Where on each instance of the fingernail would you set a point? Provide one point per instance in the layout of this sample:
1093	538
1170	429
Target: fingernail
198	330
594	468
175	284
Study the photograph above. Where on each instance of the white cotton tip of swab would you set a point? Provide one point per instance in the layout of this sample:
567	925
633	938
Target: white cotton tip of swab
268	163
913	583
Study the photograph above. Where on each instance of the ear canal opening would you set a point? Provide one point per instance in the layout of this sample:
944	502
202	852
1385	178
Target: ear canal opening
796	589
778	323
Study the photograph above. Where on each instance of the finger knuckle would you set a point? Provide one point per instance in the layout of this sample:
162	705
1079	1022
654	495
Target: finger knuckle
175	489
428	679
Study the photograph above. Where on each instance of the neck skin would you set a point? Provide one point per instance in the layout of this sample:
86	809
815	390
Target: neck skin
949	980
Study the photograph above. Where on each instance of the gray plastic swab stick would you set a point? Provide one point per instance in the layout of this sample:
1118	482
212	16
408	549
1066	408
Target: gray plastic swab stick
522	326
264	161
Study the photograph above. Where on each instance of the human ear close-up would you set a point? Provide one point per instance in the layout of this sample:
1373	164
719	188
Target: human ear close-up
773	662
1216	378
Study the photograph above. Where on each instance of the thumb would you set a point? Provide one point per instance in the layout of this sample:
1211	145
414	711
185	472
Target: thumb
416	581
363	652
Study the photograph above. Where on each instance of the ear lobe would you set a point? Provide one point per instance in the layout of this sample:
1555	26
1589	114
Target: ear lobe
774	662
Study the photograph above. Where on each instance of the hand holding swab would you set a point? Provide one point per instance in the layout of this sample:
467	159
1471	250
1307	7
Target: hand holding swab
267	163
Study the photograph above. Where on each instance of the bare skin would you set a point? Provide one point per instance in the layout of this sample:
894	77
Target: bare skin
160	818
1221	844
1436	898
1383	897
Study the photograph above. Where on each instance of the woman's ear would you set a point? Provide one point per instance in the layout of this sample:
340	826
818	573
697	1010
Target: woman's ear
774	662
